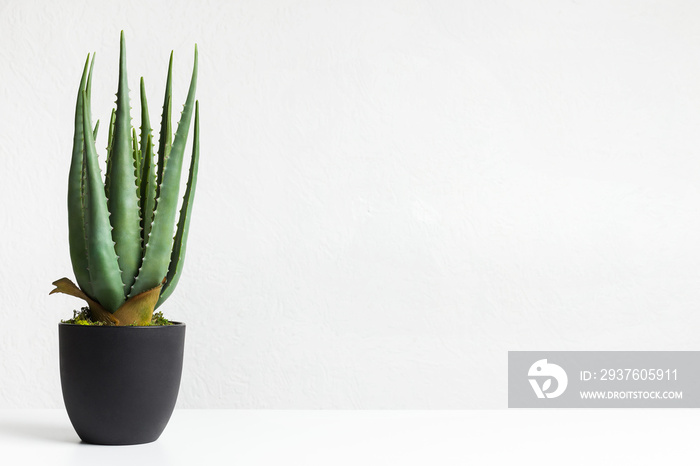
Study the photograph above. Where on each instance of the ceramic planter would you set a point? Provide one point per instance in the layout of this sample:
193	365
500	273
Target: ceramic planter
120	384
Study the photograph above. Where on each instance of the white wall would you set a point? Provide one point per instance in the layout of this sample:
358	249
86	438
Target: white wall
392	194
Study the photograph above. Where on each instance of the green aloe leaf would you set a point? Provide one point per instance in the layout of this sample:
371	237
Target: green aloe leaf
145	119
177	258
110	137
166	126
156	258
147	190
121	196
137	157
103	265
76	214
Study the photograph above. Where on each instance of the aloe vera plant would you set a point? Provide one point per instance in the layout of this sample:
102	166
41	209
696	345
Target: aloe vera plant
126	250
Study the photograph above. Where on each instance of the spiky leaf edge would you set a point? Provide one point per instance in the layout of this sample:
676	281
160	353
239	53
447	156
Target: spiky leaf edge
177	258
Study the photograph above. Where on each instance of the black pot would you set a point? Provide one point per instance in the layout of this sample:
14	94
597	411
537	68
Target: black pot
120	384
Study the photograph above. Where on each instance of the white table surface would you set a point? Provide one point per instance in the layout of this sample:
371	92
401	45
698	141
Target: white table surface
261	437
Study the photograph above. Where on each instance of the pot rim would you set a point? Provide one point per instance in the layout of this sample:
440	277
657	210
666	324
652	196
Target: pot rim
172	322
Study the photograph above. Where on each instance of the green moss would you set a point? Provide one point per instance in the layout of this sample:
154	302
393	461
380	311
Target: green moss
82	317
158	319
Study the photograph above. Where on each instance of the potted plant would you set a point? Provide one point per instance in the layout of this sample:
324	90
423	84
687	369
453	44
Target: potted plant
121	363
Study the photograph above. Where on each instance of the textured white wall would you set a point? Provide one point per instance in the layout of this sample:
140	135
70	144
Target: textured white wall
392	194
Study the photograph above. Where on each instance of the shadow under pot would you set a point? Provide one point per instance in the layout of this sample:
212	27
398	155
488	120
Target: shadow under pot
120	384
